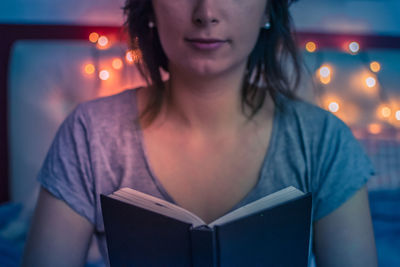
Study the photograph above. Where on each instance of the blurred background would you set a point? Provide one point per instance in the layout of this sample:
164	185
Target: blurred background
55	54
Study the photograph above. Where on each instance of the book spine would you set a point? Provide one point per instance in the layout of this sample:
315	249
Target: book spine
203	246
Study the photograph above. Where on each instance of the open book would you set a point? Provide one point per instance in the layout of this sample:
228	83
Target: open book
143	230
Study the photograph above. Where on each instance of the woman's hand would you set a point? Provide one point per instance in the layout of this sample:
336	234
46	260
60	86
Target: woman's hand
345	237
58	235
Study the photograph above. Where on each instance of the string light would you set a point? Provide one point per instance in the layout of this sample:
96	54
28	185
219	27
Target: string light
364	84
117	63
330	102
375	66
333	106
89	68
325	71
397	115
133	56
103	42
354	47
129	57
374	128
325	74
93	37
370	82
386	112
104	75
325	80
311	47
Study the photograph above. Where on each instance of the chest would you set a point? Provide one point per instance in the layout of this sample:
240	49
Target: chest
209	177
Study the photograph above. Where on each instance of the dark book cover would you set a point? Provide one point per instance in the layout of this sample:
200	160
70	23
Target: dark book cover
275	236
278	236
139	237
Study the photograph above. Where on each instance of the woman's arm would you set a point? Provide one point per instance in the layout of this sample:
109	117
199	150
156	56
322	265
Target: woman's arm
345	237
58	235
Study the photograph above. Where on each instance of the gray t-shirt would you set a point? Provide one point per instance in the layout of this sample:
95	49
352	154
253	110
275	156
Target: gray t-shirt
99	149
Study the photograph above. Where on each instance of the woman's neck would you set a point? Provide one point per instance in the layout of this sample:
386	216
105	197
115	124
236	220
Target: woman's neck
206	104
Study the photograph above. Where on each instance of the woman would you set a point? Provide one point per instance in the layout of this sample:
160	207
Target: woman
224	130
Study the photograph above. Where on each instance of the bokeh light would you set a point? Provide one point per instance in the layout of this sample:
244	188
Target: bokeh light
94	37
397	116
325	80
370	82
133	56
375	128
89	68
386	112
324	71
104	75
103	42
333	107
354	47
129	57
330	101
117	63
363	86
375	66
311	47
346	111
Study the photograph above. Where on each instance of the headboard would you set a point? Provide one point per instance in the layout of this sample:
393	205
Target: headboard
11	34
15	39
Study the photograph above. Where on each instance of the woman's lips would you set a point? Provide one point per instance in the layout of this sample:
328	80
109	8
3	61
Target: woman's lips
206	44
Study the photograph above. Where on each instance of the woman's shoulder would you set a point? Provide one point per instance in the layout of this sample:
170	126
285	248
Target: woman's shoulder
106	109
309	117
112	103
301	107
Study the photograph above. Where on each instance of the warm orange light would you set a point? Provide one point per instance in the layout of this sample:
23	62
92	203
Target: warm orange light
325	80
117	63
103	41
94	37
345	110
375	66
365	84
104	75
330	102
311	47
133	56
375	128
386	112
89	68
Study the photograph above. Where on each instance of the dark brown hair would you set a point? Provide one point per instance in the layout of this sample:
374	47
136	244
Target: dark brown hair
267	66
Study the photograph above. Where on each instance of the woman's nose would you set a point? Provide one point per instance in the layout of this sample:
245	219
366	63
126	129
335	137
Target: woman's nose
205	13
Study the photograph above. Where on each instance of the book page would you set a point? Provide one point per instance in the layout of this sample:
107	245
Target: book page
158	205
268	201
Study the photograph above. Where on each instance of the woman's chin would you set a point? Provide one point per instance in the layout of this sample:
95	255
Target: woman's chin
207	71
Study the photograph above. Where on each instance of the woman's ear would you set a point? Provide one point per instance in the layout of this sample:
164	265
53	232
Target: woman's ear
265	22
266	18
152	18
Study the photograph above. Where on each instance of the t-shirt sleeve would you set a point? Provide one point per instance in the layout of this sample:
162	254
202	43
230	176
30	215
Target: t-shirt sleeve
343	167
66	171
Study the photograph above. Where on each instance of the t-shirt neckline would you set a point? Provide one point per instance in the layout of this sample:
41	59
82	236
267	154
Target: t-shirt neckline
266	161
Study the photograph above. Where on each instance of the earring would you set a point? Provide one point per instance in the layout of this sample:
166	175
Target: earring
151	24
267	26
